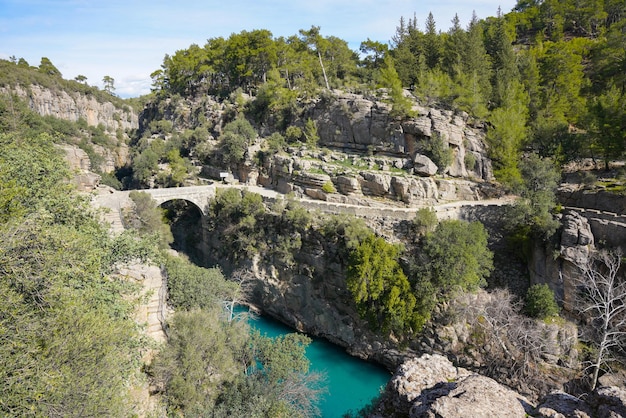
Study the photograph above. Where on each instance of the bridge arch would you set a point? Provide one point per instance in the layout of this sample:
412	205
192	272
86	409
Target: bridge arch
196	204
197	195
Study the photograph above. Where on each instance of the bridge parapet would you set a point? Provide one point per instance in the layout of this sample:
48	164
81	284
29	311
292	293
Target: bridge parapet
200	196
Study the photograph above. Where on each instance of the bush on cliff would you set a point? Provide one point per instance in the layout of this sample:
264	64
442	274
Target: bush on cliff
380	288
540	303
455	257
192	287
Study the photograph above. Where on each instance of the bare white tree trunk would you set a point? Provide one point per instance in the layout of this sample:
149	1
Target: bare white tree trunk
319	55
602	302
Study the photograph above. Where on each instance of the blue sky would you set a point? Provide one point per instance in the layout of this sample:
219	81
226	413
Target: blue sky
128	39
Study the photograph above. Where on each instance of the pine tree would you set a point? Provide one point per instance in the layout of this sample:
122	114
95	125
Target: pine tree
473	83
504	67
432	43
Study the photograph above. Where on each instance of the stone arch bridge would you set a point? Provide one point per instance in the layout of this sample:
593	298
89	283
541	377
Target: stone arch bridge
604	224
200	195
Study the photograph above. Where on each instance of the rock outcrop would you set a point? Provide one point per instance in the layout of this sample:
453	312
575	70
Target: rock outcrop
472	396
609	402
306	173
560	404
75	106
576	242
365	152
79	163
431	386
578	196
358	123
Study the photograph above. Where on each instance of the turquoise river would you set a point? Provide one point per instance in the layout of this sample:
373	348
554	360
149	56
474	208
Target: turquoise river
351	383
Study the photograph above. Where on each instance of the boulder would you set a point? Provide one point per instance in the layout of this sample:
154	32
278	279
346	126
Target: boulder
414	190
314	180
347	185
420	126
560	404
424	166
76	158
470	396
375	184
417	374
609	402
80	164
431	386
86	181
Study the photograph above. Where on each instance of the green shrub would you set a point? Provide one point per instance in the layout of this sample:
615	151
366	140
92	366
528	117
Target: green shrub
440	153
425	221
455	257
148	219
328	187
310	133
110	180
293	133
470	161
540	302
275	143
192	287
237	136
588	178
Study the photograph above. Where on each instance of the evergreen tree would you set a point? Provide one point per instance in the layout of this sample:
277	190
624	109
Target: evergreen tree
507	134
389	79
473	86
407	52
608	124
504	67
432	43
48	68
453	51
380	288
455	257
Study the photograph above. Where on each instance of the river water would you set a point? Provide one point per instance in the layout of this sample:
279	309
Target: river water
352	383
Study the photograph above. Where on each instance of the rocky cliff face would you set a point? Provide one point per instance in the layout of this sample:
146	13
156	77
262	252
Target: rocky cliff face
364	151
79	163
310	295
355	122
580	230
575	242
75	106
370	154
431	386
354	177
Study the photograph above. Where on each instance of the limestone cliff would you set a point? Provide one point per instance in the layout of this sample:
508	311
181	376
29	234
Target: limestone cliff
354	178
369	153
364	151
116	123
73	106
363	123
580	230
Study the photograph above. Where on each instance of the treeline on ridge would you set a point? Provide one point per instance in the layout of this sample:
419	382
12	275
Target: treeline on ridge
548	77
